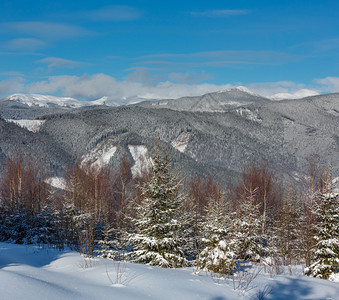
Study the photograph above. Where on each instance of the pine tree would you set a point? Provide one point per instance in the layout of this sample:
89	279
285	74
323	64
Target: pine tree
218	255
326	252
156	241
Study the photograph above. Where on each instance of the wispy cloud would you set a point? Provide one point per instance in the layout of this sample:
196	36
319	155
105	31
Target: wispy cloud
56	62
318	47
325	45
189	77
11	74
24	44
44	29
217	58
220	13
194	64
223	54
112	13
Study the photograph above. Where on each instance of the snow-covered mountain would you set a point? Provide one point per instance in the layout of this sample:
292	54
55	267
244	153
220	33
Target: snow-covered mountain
223	100
37	100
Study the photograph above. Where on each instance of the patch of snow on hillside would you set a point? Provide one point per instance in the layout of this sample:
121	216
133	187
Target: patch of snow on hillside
335	185
100	156
181	142
248	114
31	125
57	182
142	162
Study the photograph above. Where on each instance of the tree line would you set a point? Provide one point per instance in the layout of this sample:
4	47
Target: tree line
161	219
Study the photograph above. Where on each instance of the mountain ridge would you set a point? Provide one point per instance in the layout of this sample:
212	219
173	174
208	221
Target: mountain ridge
284	133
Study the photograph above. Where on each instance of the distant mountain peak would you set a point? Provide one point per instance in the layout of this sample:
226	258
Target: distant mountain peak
239	88
43	100
242	89
47	101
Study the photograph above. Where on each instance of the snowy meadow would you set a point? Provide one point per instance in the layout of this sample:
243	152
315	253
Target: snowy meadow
32	272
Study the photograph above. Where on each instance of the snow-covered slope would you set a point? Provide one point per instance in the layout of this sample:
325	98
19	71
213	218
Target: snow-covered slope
31	125
142	162
241	89
30	273
48	101
181	142
100	156
223	100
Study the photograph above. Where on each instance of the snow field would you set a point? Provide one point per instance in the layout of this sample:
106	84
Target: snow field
29	272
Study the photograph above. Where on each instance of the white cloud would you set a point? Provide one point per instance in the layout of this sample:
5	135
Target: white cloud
12	85
99	85
220	13
268	89
329	84
294	95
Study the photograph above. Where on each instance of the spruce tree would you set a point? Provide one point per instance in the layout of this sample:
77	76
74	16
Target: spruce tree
218	255
191	230
326	250
246	229
156	241
287	229
110	248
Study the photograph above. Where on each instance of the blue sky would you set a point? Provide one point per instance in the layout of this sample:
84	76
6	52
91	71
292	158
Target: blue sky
90	49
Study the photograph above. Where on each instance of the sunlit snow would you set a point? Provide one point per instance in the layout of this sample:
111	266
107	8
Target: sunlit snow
31	125
57	182
31	272
47	100
248	114
100	156
181	142
141	159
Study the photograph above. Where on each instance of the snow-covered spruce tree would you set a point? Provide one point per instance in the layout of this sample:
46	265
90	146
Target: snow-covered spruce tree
109	246
218	255
246	228
156	241
326	251
191	230
287	229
